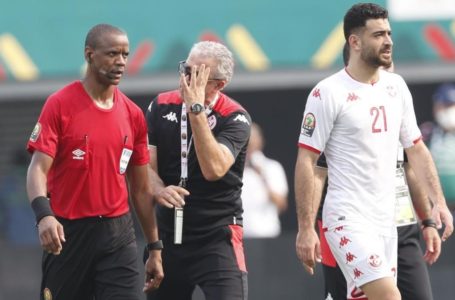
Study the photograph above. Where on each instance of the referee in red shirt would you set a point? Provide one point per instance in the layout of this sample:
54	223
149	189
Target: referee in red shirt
88	138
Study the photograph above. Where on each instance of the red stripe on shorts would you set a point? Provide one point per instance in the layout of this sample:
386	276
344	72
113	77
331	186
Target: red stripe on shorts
237	243
327	256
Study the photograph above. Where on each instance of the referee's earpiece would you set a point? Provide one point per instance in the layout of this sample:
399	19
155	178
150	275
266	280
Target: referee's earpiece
89	59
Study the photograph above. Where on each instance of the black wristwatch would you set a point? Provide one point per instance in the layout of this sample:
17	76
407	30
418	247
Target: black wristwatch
158	245
196	108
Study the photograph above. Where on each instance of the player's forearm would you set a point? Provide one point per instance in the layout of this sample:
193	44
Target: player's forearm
306	204
425	170
213	159
155	181
36	182
145	211
420	200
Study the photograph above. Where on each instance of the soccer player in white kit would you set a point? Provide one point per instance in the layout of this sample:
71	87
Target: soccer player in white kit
357	117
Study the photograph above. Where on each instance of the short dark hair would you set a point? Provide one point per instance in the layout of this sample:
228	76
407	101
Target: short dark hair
97	31
359	14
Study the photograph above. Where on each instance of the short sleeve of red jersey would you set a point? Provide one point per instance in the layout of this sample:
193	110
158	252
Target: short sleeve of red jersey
140	154
409	130
318	119
45	135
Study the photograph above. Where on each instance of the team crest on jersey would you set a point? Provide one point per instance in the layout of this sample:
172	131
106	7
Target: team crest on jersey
308	124
35	133
391	90
212	121
374	260
47	294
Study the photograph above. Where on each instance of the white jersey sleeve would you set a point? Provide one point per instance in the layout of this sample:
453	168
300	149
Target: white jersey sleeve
318	119
409	130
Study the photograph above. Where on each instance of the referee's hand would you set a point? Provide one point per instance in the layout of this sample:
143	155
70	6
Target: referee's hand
51	235
153	271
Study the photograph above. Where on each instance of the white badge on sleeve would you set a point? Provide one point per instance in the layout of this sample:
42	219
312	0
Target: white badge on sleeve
125	159
404	210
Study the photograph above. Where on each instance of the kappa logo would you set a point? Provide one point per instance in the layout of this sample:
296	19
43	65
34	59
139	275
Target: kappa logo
350	257
317	93
242	118
352	97
171	117
78	154
344	241
357	273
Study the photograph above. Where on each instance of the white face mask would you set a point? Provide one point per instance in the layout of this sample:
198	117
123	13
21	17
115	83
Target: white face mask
446	118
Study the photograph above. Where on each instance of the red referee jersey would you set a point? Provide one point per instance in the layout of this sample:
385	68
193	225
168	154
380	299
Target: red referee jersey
87	177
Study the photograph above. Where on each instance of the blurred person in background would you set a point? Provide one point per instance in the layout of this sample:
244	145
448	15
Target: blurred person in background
440	138
89	143
198	139
16	218
264	191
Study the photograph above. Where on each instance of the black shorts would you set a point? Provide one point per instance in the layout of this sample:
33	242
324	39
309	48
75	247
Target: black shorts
335	286
215	263
99	259
413	278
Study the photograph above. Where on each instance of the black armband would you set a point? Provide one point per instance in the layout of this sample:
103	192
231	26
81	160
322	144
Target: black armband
429	223
42	208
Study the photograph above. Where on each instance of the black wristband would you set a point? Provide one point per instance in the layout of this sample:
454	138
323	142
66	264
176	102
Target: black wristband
42	208
158	245
429	223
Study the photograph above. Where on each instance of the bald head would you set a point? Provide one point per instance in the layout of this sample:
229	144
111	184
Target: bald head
98	31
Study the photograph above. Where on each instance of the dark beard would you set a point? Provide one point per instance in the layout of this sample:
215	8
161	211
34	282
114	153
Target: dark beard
375	60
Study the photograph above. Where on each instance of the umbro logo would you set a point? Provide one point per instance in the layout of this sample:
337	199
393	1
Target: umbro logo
242	118
78	154
171	117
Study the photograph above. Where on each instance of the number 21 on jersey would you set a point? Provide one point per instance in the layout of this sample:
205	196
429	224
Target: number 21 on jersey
379	123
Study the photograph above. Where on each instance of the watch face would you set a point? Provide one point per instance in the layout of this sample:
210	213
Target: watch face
197	108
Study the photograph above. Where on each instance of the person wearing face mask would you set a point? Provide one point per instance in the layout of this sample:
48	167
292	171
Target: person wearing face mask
440	136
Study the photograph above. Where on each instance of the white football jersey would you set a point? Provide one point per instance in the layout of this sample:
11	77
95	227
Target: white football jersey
359	127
